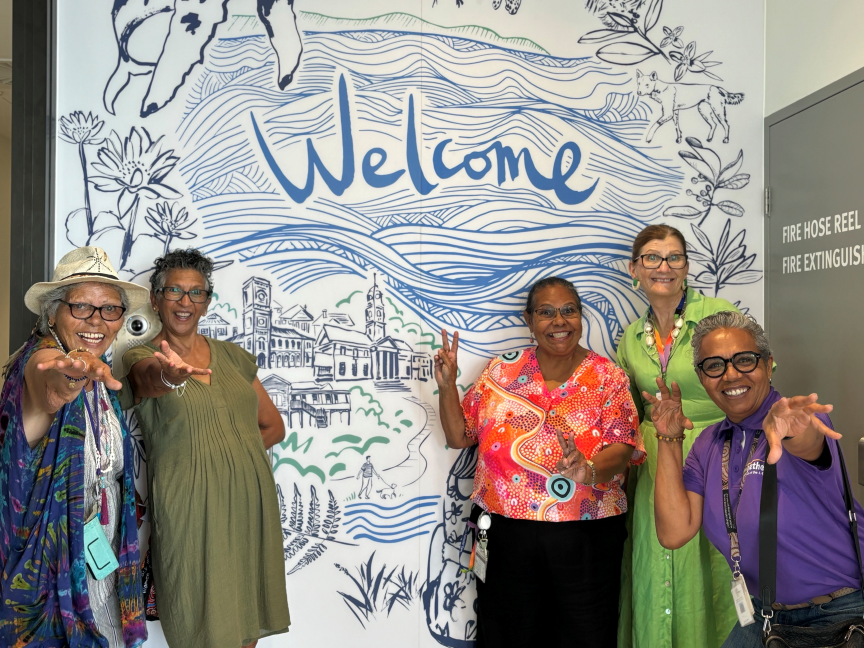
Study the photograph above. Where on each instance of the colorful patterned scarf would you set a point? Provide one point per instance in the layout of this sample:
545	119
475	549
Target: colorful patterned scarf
43	584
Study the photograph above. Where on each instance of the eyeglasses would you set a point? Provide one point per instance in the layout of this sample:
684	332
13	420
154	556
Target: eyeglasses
109	312
654	261
172	293
744	362
549	313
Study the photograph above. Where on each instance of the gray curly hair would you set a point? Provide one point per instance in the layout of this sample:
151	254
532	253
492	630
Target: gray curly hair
729	320
52	299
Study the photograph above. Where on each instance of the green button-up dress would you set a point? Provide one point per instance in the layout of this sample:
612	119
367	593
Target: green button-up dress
670	598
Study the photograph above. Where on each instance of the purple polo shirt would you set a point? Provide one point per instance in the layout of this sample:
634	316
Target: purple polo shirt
815	552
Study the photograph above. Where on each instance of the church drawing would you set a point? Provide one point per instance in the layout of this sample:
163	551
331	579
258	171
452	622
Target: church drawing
330	345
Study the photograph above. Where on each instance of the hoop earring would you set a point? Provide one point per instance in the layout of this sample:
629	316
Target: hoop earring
636	283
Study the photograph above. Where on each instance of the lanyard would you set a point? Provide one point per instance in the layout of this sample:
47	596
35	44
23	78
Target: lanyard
103	510
728	514
663	355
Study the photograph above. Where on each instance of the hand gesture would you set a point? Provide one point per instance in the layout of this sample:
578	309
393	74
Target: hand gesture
174	368
84	365
573	464
446	368
791	417
667	414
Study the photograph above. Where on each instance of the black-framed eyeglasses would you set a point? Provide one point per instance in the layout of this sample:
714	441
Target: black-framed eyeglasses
549	313
654	261
108	312
744	362
197	295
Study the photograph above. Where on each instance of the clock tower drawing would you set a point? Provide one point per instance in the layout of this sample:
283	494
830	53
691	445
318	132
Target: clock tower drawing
375	327
257	314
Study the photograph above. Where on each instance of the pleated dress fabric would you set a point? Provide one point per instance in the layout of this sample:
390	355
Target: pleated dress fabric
216	537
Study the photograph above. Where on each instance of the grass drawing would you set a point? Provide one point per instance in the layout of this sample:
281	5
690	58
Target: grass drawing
303	470
378	590
347	300
293	442
361	450
301	530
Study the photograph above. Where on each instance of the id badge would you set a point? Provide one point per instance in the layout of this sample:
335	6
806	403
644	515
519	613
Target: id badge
481	559
97	550
743	604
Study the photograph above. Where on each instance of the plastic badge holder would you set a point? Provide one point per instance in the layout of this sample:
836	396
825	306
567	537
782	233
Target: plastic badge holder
97	550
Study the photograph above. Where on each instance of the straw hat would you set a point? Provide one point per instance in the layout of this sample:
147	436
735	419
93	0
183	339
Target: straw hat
82	265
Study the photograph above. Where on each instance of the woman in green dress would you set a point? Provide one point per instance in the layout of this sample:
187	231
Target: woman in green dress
680	598
216	538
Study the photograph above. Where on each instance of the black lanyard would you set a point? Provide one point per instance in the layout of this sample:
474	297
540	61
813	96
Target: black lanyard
728	514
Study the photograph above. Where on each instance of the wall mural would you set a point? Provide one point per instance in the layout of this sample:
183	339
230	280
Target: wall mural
365	176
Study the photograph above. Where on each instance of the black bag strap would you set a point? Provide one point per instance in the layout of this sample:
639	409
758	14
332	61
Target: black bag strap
768	532
768	539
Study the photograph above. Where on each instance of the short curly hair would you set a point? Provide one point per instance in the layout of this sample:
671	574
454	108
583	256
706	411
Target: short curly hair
190	259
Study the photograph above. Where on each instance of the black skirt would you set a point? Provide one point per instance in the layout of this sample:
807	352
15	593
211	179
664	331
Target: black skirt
551	584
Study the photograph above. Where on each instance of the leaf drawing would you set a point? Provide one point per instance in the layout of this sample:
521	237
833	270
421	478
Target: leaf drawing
725	263
331	522
313	554
296	510
313	522
626	53
296	545
708	169
283	517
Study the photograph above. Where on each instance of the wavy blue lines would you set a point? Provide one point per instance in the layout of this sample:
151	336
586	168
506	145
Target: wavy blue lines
393	523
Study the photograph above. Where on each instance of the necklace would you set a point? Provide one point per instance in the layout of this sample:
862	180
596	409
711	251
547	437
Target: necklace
652	337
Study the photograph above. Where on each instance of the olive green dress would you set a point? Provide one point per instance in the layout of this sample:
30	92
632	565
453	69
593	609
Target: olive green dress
216	538
680	598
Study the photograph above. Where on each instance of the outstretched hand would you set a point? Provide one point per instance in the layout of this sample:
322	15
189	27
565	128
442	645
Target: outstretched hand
793	417
573	464
174	368
84	365
667	412
446	366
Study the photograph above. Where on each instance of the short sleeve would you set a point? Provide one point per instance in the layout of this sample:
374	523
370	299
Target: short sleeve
618	418
239	357
471	405
135	355
694	465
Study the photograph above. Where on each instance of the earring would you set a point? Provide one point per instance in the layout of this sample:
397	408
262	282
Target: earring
635	283
685	283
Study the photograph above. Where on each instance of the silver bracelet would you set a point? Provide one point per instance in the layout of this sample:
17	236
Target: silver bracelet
172	386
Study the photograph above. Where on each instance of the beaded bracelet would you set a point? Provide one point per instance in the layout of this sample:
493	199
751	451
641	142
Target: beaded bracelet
669	439
172	386
74	381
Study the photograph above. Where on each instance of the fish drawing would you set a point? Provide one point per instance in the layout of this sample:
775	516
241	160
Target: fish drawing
184	31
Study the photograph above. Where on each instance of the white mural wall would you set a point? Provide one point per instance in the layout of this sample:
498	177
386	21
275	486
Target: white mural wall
366	173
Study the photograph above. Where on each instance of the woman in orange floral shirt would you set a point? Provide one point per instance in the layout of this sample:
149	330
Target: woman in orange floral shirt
556	429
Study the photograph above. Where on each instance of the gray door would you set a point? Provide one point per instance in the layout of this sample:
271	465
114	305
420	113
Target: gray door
815	310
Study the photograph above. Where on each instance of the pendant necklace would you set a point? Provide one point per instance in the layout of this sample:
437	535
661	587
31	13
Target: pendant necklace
652	336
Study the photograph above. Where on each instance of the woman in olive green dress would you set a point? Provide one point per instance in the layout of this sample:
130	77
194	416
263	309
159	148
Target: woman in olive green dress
207	421
680	598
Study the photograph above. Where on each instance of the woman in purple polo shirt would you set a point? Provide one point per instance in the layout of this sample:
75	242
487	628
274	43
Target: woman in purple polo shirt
817	571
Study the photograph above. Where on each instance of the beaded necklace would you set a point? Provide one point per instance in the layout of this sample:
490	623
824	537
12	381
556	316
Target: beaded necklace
105	451
652	336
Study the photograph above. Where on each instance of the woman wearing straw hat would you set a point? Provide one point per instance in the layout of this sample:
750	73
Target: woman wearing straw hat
69	563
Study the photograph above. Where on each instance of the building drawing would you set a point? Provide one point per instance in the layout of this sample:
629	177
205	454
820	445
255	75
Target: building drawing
276	341
308	403
215	326
330	344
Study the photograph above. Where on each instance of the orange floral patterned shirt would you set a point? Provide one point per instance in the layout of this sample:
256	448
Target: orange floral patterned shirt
513	417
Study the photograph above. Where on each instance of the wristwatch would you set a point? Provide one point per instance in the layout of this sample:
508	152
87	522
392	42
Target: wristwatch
593	473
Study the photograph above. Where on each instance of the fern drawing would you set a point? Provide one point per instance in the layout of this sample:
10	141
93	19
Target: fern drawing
314	529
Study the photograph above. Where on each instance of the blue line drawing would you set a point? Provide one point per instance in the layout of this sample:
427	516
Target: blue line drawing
388	524
483	242
180	43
